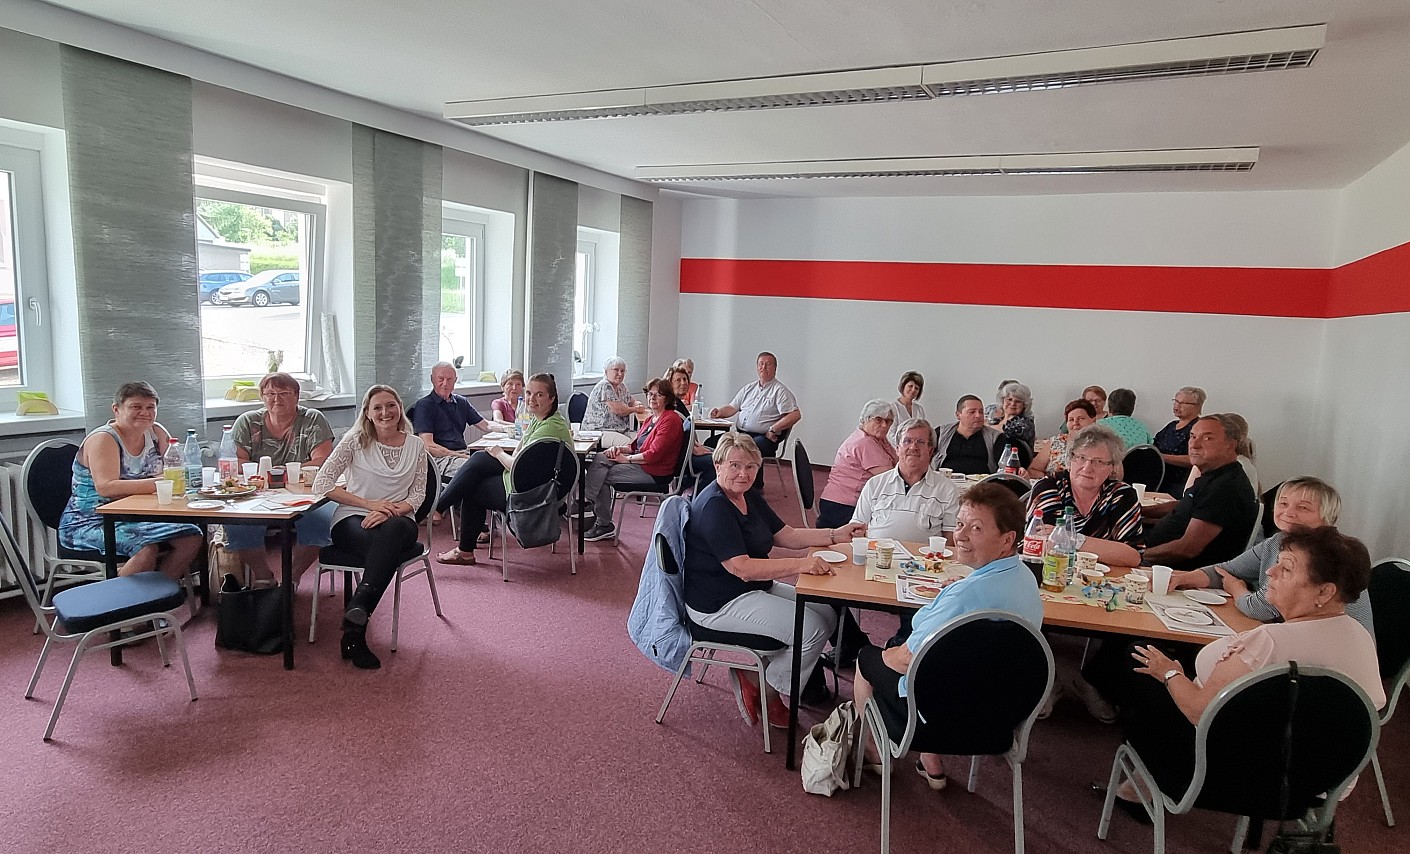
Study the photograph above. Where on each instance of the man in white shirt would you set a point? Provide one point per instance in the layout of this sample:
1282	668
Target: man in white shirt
911	502
765	410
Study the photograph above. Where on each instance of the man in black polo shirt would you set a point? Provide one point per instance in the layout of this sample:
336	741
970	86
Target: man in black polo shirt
440	419
967	446
1213	519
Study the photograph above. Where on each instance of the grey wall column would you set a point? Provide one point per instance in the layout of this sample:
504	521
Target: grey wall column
128	130
553	244
634	289
396	260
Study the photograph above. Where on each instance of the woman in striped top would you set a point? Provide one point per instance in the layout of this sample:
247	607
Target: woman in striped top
1108	511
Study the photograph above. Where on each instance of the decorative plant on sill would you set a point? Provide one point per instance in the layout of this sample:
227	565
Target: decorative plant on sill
276	358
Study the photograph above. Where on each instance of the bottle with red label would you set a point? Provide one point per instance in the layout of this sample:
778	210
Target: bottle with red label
1033	542
1011	461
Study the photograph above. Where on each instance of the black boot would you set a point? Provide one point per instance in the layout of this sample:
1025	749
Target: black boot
354	647
360	605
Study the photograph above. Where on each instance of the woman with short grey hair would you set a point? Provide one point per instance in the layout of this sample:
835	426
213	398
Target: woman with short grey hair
1014	418
863	455
610	406
1108	511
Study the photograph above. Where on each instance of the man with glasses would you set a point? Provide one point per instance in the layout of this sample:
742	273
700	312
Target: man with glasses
441	418
911	502
1173	440
287	433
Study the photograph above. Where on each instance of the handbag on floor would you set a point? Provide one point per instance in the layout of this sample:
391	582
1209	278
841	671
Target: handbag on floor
827	749
251	619
533	514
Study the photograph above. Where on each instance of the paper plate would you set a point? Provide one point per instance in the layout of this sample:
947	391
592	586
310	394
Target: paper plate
205	505
832	557
925	591
947	553
1189	616
1206	597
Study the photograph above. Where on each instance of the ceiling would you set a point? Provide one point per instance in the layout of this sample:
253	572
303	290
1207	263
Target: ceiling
1319	127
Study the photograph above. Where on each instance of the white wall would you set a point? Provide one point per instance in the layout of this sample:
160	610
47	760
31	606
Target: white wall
662	348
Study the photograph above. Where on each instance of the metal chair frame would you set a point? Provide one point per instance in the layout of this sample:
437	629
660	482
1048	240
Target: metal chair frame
349	573
498	519
780	454
1019	486
1159	478
657	494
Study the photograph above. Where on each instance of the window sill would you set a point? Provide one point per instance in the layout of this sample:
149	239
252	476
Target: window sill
26	425
218	408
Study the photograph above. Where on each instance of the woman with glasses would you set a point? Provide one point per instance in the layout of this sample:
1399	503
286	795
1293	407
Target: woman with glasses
651	458
1108	511
287	433
863	455
1173	440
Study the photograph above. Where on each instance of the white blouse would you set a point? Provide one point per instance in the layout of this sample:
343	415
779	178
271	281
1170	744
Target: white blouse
378	472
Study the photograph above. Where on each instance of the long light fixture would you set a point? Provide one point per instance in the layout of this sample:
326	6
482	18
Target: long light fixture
1240	159
1227	53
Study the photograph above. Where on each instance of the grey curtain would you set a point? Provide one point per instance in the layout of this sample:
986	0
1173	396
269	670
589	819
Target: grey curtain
634	288
396	260
128	130
553	244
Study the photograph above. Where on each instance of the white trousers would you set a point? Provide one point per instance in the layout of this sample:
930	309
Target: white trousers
770	613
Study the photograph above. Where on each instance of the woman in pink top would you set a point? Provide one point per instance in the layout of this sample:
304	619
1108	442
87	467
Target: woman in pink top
1319	571
512	383
865	453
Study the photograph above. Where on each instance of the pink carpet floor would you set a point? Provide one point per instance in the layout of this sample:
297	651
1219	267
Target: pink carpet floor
522	721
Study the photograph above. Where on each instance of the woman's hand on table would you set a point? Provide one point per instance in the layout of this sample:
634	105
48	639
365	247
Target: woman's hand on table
814	565
1232	584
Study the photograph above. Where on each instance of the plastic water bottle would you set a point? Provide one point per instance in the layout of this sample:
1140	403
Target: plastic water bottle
193	463
521	418
697	410
1056	557
174	466
226	459
1070	524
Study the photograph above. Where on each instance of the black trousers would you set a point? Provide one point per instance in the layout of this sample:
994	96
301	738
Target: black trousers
381	549
476	488
834	515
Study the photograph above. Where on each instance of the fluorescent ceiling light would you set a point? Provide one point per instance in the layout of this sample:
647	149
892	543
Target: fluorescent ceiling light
1228	53
1240	159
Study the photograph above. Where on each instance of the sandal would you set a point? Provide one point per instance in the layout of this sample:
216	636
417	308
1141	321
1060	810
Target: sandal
483	539
937	782
456	557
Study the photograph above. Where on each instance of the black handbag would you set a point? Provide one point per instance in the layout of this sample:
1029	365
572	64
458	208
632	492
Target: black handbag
1295	841
533	514
251	620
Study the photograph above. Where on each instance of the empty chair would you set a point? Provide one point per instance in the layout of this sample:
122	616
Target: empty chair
535	464
88	615
1390	614
1143	464
48	480
577	407
706	643
1013	483
334	560
978	682
803	475
1239	755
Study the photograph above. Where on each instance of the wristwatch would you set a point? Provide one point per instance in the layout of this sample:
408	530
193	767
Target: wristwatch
1169	674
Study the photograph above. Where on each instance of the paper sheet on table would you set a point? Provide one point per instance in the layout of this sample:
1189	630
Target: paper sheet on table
1160	604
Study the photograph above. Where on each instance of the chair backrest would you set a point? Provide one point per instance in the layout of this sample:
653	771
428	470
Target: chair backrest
781	452
983	676
433	493
1025	453
19	569
1239	756
577	407
1255	533
1390	614
48	480
803	474
664	558
1013	483
533	465
1143	464
1270	498
683	457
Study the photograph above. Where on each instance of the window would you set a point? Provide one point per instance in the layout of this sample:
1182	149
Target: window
584	329
463	251
25	356
259	251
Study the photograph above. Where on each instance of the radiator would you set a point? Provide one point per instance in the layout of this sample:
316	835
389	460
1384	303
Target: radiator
31	535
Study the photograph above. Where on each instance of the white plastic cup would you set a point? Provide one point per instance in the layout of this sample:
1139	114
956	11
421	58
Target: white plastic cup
249	469
265	464
164	490
1140	491
859	551
1086	560
293	474
577	427
208	477
937	545
1160	580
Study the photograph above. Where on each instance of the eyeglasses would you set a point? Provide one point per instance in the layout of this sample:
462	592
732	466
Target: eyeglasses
656	395
908	441
735	466
1178	402
1079	459
276	395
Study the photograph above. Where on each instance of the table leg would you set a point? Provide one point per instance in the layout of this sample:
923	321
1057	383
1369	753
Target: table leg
203	586
110	570
582	498
797	680
287	531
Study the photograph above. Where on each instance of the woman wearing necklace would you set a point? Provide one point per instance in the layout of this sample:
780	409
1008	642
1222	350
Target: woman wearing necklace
385	464
1319	571
286	433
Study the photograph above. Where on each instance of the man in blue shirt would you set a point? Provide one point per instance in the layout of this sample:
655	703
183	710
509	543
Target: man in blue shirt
988	527
440	419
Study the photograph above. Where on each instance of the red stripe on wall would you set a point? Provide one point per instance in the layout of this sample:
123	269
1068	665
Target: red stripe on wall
1376	284
1263	291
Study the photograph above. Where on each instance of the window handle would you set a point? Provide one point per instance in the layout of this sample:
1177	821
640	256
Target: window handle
33	303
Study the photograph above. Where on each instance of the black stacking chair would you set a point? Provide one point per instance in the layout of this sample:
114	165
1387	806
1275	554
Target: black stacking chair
1144	464
1025	453
48	483
1266	519
577	407
534	466
807	490
1013	483
1390	614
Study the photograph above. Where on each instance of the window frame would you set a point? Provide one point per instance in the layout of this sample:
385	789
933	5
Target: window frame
30	262
458	222
588	327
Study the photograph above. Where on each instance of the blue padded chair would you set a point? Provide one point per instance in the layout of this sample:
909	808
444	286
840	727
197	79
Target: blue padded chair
87	614
47	476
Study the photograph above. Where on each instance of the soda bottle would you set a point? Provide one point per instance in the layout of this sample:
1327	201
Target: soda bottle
192	450
1011	465
174	466
1033	544
226	460
1055	558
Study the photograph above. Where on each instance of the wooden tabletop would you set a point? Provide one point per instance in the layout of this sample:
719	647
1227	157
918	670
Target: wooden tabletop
490	440
850	584
714	423
240	508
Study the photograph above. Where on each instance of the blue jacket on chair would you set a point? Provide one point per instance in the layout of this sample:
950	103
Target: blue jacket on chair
657	621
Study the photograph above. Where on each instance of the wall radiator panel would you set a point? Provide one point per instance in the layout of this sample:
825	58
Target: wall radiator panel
31	536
